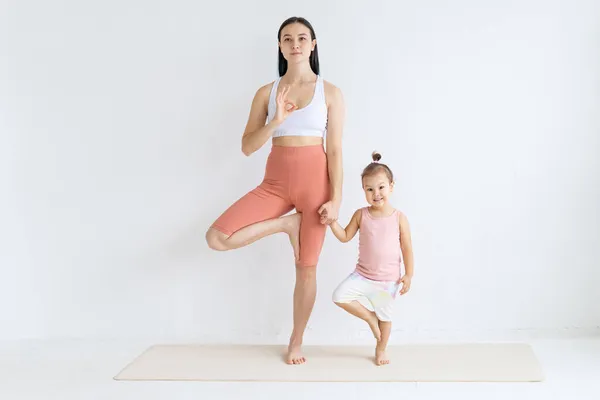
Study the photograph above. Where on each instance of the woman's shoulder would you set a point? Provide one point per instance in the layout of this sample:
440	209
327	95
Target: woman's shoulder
263	93
332	92
330	87
265	89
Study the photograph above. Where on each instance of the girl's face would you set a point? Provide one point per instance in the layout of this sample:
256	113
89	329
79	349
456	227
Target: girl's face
377	189
295	43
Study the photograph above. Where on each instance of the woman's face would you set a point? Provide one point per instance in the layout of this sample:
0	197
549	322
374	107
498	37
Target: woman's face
295	43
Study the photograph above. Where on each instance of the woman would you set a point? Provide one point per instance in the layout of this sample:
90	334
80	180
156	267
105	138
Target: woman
304	115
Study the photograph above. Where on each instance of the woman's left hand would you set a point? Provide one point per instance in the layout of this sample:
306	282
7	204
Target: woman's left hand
329	212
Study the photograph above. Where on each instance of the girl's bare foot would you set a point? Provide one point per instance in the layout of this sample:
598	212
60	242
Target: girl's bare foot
293	230
374	325
381	357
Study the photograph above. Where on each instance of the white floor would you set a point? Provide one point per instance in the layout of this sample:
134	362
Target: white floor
84	370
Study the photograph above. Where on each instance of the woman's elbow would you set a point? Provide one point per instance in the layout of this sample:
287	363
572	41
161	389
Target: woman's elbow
246	149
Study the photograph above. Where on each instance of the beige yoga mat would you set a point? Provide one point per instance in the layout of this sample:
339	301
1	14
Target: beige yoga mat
481	362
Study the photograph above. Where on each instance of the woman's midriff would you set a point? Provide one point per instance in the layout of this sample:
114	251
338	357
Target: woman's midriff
297	141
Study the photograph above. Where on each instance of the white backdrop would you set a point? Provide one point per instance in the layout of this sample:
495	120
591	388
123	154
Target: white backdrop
120	143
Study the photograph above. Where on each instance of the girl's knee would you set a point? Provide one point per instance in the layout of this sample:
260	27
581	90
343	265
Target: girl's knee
335	297
337	300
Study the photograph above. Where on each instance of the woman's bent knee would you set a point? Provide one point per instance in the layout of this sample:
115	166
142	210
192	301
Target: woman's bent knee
216	240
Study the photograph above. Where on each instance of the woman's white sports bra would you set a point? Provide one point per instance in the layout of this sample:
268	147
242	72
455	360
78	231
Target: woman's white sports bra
307	121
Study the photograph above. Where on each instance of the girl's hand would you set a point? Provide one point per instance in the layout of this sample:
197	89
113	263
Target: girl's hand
329	212
405	281
284	107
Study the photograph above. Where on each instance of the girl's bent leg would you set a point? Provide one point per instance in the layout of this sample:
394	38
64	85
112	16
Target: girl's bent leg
346	296
358	310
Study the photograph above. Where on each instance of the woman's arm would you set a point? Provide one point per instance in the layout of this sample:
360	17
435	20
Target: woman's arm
335	125
257	133
346	235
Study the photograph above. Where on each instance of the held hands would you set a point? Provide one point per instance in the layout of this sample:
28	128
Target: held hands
405	281
329	212
284	106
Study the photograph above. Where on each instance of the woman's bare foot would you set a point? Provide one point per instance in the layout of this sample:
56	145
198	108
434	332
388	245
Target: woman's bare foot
292	228
374	325
381	357
294	355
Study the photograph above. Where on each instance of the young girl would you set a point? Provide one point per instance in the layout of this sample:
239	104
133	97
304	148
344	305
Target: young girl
384	239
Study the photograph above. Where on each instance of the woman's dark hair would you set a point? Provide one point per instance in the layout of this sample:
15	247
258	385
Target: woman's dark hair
314	56
376	166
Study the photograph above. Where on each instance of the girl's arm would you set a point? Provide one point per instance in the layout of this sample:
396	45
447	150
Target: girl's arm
345	235
407	254
406	245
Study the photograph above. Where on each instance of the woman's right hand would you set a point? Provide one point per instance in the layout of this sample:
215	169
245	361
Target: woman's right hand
284	106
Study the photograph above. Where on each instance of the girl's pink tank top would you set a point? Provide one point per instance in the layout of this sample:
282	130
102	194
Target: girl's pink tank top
379	252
